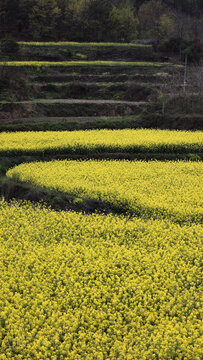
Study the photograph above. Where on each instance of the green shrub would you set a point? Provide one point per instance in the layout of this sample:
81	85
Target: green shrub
177	45
9	46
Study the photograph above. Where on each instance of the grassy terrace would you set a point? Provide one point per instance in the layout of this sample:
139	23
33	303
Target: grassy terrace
71	123
61	51
98	78
70	107
84	63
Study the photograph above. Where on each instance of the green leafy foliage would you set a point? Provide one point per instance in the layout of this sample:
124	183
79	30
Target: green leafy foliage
124	23
85	20
43	18
8	46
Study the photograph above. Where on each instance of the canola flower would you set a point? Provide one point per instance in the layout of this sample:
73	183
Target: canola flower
99	141
158	189
84	63
100	287
74	44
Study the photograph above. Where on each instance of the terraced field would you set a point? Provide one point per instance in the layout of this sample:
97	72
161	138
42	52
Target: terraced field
156	189
85	51
61	64
100	259
102	141
92	72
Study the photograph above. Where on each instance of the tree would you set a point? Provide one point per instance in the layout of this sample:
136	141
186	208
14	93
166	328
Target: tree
124	24
43	18
25	8
75	22
190	7
8	11
9	47
98	19
149	15
61	24
88	20
101	20
165	26
185	36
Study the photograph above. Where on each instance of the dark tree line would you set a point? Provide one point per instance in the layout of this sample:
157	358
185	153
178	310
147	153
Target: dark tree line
100	20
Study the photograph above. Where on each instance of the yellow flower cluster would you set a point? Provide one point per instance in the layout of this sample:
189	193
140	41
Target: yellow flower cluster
98	287
169	189
91	141
70	44
84	63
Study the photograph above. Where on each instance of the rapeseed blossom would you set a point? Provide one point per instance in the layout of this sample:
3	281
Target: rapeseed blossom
101	141
148	189
77	286
128	64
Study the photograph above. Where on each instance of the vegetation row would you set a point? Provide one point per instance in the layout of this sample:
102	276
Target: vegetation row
179	121
156	189
83	63
101	141
83	44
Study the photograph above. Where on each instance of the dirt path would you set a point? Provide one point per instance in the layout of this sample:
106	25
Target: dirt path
92	83
79	101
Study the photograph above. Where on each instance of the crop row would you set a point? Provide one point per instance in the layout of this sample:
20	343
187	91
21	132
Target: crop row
83	63
90	287
77	44
171	189
101	141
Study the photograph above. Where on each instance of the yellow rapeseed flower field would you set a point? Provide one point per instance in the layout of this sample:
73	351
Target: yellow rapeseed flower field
91	141
103	287
78	44
38	64
158	189
78	287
